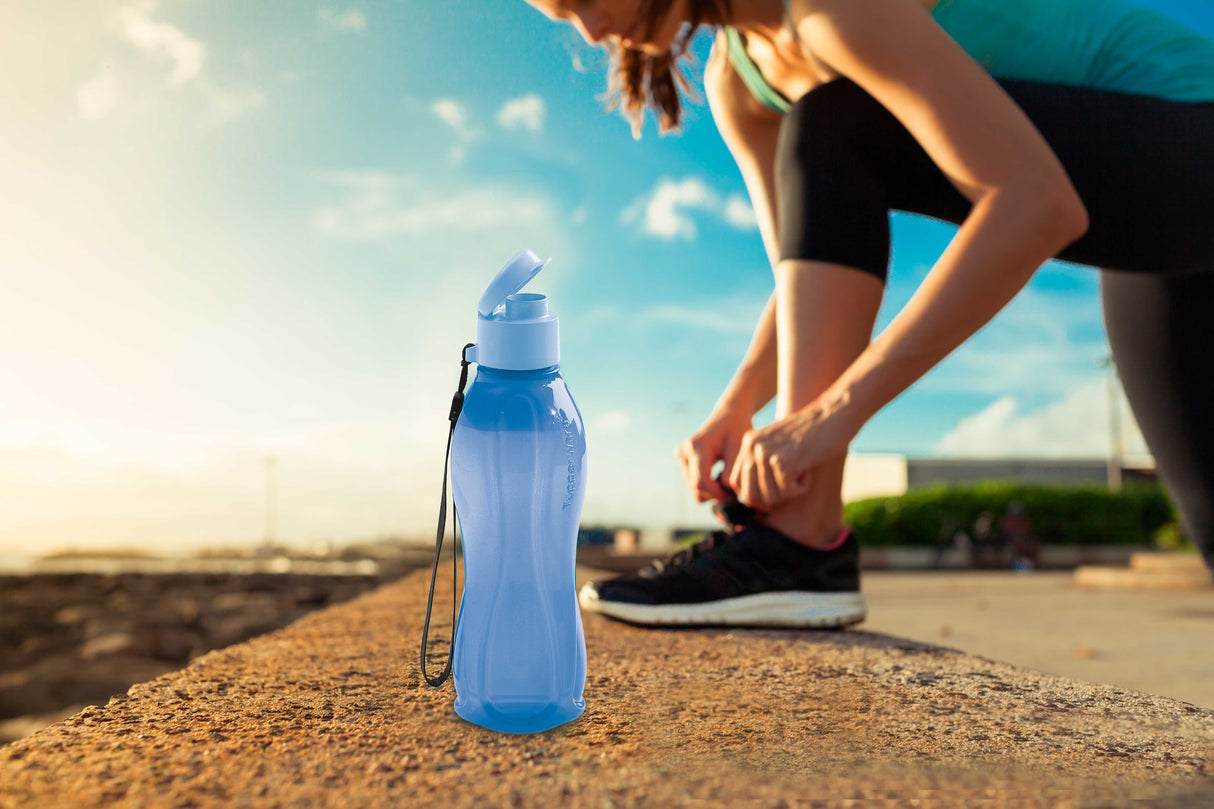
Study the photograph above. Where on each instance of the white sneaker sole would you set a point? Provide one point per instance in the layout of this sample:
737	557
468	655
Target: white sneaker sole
792	608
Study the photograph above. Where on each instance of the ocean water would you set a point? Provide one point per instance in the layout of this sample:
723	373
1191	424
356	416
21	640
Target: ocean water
15	565
12	564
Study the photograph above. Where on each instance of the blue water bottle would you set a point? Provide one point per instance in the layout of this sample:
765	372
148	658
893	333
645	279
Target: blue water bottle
518	473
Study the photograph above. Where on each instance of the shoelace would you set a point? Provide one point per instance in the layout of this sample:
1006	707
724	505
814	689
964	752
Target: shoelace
736	515
732	511
684	555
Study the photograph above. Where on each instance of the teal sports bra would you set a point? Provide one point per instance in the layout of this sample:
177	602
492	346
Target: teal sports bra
1104	44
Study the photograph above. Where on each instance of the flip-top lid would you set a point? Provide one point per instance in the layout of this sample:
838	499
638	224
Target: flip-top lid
509	280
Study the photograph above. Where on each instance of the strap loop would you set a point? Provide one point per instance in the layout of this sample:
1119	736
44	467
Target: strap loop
457	406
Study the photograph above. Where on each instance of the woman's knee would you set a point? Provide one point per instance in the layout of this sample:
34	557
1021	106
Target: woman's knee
833	205
846	281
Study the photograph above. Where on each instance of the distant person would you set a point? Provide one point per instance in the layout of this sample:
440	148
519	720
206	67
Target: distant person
1017	530
1094	144
952	538
988	545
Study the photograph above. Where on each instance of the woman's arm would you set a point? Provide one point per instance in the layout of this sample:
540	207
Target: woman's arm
756	381
1025	209
750	131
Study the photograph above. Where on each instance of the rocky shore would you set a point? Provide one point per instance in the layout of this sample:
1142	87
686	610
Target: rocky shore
73	639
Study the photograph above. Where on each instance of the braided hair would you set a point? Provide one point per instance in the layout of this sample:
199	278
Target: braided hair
639	80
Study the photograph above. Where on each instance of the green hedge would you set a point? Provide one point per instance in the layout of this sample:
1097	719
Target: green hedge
1071	515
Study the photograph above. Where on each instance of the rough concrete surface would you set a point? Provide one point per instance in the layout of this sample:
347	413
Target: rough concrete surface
332	711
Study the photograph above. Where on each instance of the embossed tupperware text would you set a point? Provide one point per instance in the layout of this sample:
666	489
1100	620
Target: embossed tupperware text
571	479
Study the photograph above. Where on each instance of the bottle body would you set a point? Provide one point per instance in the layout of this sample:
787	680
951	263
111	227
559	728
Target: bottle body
518	465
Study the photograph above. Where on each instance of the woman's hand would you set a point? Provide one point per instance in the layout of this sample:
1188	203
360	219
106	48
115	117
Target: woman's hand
719	438
774	463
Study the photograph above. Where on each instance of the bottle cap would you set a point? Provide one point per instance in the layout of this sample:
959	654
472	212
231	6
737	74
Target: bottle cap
516	331
510	279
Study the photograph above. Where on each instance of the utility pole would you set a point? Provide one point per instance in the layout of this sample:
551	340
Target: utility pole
1106	361
271	497
680	501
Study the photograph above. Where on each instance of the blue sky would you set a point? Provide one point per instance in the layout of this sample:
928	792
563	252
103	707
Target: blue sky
234	230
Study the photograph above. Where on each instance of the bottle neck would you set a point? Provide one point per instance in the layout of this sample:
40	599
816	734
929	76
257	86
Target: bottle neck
502	373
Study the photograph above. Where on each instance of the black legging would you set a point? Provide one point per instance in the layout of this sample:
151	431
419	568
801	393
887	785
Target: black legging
1144	168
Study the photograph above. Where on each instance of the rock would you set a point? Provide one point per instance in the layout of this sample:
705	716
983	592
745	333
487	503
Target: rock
244	602
128	628
75	614
41	644
114	643
176	643
103	624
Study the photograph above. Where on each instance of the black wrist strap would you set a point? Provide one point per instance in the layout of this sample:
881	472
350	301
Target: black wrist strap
457	405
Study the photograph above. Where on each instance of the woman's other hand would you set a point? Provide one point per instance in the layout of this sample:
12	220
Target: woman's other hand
718	439
774	463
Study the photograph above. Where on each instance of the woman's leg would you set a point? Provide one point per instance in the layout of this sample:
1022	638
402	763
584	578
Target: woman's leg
1145	168
824	319
1161	331
834	244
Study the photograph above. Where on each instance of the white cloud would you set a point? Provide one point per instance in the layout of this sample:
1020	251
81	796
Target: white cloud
452	113
710	317
663	213
162	40
666	212
164	44
526	112
97	96
224	105
379	205
578	217
1074	426
349	20
614	421
739	213
455	115
1038	344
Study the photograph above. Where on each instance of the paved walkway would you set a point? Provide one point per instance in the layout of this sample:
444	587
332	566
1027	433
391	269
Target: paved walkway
1161	642
331	711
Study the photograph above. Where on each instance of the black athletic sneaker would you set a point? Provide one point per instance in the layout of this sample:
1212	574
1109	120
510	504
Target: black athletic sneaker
742	576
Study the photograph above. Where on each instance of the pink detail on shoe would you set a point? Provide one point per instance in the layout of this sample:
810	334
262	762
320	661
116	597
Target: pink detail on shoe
838	541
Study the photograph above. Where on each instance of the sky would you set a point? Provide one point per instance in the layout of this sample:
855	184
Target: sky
235	231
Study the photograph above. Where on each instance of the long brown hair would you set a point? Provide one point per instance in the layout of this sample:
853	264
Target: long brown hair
639	81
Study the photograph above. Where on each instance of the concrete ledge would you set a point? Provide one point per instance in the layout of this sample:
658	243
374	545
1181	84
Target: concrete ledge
331	711
1150	571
